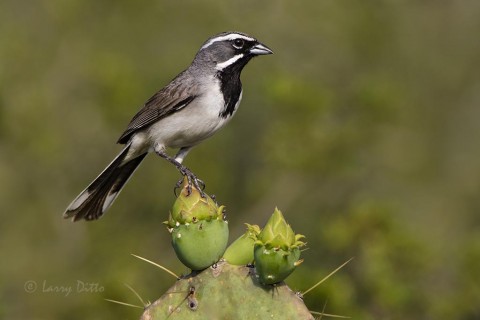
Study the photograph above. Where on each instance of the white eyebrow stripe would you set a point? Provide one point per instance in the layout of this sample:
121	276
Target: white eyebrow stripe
222	65
230	36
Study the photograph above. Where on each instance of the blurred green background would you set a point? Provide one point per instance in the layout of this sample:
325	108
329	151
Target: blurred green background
363	128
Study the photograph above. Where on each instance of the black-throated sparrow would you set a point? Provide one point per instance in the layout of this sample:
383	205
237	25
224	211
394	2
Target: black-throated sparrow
191	108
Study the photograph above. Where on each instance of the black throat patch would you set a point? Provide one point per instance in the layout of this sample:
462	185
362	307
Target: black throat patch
231	86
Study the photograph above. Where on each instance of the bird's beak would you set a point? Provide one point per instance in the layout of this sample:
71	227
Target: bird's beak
260	49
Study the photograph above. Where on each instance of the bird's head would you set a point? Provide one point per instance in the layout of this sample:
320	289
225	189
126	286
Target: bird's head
230	50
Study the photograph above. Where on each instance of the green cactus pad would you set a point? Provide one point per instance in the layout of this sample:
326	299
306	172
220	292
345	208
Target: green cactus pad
201	244
227	292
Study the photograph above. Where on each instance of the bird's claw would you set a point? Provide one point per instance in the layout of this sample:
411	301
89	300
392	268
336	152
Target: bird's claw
191	180
178	185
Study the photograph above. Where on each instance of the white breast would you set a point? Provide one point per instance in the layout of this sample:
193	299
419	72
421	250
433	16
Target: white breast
193	124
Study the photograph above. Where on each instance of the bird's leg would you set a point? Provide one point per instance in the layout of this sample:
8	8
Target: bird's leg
186	172
181	154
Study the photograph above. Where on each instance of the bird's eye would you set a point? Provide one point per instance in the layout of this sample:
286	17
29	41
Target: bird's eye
238	43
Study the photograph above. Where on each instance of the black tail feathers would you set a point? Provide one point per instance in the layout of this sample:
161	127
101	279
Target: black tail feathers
92	202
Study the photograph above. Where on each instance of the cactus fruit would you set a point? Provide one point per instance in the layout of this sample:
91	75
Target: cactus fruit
199	230
229	292
277	250
240	252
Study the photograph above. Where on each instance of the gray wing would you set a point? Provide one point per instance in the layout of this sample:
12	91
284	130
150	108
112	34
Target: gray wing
174	97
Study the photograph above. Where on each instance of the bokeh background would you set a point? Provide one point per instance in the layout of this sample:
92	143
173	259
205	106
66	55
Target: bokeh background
363	128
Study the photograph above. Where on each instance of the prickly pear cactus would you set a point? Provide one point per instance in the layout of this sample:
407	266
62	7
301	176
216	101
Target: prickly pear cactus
224	291
246	283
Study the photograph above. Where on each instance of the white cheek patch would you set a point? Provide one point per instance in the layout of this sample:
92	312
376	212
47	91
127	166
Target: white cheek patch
222	65
231	36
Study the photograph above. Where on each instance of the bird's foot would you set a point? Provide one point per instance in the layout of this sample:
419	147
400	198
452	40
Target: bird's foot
192	180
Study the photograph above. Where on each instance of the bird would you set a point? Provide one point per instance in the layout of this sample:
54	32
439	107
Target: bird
191	108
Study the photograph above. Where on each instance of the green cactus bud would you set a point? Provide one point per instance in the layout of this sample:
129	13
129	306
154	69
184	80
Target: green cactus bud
277	250
190	206
199	232
277	233
199	245
240	252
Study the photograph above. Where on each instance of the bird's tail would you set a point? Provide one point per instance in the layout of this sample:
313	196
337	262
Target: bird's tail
92	202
